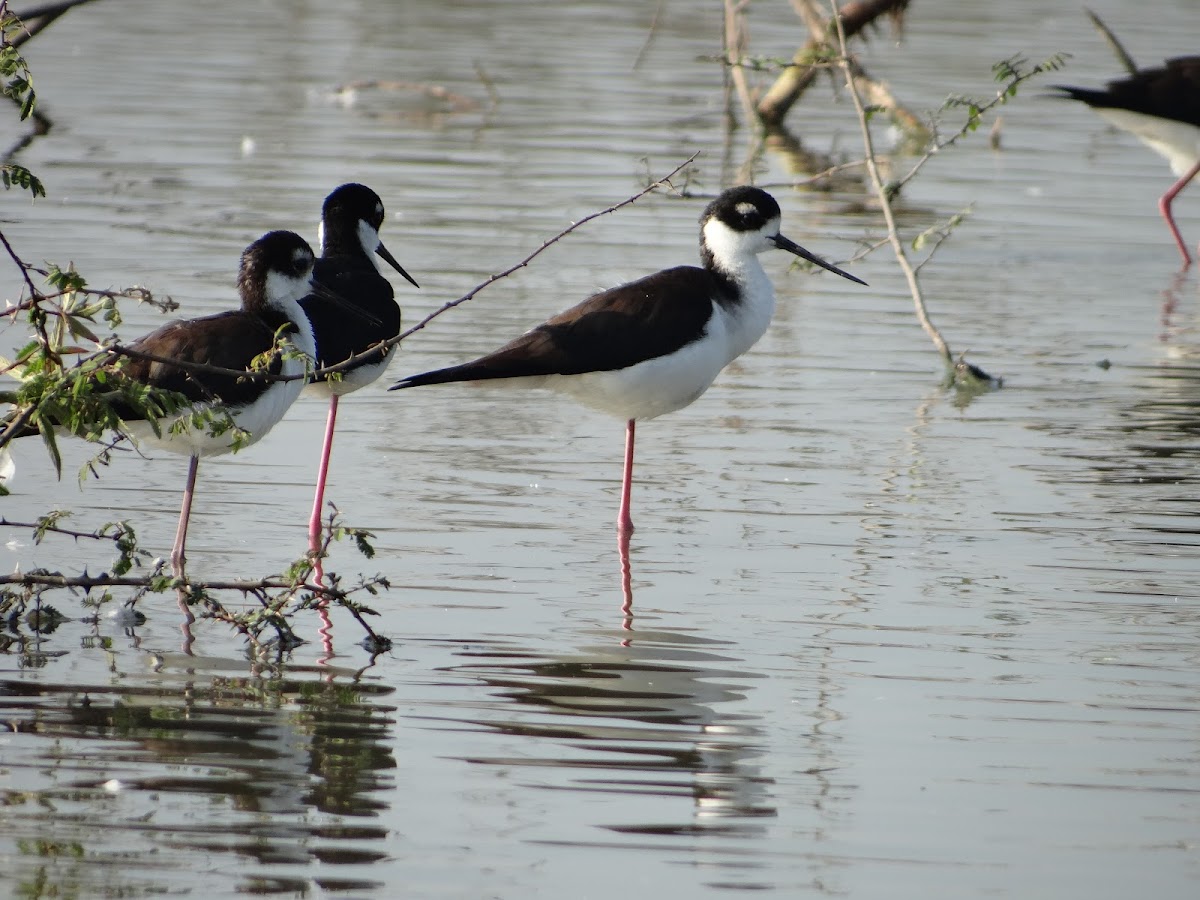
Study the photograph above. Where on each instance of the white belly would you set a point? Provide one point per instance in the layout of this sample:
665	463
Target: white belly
257	419
654	387
351	381
1178	142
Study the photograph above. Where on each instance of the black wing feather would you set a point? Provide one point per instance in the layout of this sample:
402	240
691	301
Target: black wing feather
359	283
615	329
229	340
1171	91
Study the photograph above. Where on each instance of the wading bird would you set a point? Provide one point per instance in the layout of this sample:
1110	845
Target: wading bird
654	345
1161	107
349	236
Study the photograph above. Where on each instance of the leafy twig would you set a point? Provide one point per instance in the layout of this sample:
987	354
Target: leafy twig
1011	73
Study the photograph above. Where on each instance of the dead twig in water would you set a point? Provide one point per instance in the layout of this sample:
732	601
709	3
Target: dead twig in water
734	32
457	102
1117	47
1011	73
796	78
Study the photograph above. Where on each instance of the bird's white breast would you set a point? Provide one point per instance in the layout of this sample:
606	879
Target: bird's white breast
351	380
654	387
256	418
667	383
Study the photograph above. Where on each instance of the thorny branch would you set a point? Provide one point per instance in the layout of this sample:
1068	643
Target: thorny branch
350	362
87	582
665	181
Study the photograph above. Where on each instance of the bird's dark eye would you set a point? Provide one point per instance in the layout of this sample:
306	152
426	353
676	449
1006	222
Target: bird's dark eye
301	260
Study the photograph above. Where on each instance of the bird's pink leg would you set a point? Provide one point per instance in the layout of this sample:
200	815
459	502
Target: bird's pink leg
185	512
314	522
624	521
1164	207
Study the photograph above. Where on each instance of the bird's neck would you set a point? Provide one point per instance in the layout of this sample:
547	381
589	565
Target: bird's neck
358	244
286	311
343	246
749	304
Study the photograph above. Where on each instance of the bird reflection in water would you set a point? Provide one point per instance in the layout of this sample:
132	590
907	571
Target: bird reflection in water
640	718
297	767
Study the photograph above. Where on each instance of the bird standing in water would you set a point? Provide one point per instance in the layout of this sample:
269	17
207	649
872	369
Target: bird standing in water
654	345
349	235
276	272
1161	107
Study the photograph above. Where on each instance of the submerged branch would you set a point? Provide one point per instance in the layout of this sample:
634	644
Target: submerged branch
795	79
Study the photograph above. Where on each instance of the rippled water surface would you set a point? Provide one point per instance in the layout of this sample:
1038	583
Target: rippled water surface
883	640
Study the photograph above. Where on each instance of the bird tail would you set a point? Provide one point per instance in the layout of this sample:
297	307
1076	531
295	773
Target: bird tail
1090	96
465	372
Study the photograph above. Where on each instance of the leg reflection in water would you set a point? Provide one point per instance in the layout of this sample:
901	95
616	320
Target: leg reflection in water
626	582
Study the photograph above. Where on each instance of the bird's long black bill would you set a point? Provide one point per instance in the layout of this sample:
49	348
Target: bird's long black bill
316	289
391	261
784	244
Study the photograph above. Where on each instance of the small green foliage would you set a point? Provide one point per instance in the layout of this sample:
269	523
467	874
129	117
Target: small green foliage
1010	73
939	231
161	583
66	281
765	63
15	175
16	83
360	536
49	522
128	551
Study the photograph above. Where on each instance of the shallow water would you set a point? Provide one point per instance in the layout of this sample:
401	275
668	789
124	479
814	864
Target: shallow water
883	642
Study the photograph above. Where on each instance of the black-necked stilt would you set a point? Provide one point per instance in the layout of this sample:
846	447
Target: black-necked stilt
654	345
1161	107
349	235
276	272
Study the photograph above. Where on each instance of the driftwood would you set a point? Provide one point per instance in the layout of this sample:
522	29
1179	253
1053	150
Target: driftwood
811	59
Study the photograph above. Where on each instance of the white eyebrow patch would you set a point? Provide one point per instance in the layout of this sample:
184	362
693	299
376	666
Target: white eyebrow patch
746	208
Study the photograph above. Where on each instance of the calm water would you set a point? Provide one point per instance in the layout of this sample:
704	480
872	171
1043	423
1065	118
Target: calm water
883	643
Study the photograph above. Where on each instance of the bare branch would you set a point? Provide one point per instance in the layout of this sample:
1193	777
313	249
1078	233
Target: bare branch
735	48
881	192
665	181
796	78
39	18
20	265
1117	47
